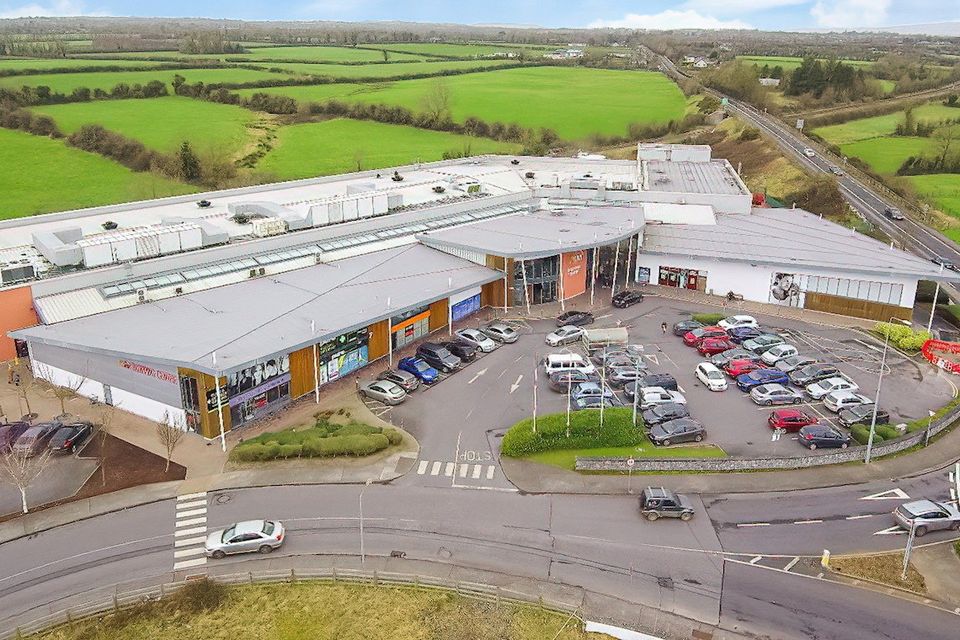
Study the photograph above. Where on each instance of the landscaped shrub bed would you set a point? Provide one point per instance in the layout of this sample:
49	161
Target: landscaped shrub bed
709	319
585	432
323	439
901	335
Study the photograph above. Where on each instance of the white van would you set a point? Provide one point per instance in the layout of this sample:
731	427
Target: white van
566	362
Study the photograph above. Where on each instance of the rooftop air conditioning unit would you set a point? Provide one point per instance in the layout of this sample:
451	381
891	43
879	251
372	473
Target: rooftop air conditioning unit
253	273
261	271
178	291
141	295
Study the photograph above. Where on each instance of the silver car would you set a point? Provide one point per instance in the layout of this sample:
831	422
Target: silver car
261	536
767	395
501	332
564	335
927	515
384	391
477	338
406	380
792	363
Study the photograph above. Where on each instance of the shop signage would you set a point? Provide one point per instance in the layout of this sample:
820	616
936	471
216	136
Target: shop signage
255	375
143	369
252	393
212	398
346	342
466	307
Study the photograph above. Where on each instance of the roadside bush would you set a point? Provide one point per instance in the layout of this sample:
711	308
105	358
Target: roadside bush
886	432
393	436
709	318
585	432
197	596
321	440
921	423
861	433
901	335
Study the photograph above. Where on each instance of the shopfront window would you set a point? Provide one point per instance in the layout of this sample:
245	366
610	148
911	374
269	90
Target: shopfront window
257	390
542	280
410	326
343	355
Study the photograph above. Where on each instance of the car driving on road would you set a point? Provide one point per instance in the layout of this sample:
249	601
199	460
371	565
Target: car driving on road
810	153
260	536
575	318
814	436
564	335
657	502
927	515
627	298
476	338
679	430
893	213
501	332
423	371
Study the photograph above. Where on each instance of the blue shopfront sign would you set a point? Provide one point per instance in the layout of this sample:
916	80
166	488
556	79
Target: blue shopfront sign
466	307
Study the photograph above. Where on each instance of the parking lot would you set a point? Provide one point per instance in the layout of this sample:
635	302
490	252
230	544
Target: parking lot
459	420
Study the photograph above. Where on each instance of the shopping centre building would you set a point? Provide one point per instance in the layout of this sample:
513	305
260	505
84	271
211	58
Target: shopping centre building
220	314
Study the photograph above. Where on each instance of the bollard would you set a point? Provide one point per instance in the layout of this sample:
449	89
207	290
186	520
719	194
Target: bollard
825	559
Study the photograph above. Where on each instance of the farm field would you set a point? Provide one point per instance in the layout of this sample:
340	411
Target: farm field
789	63
43	175
67	82
886	154
575	102
384	71
340	145
320	54
161	123
449	49
23	64
884	125
943	190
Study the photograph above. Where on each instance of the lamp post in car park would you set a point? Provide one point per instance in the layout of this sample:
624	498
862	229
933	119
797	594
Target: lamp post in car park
876	400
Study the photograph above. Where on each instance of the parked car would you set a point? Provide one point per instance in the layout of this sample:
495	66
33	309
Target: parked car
10	432
791	420
622	375
575	318
594	402
823	436
926	515
384	391
585	389
665	380
862	414
476	338
69	438
650	396
502	332
739	334
664	413
838	400
792	363
568	379
818	390
813	373
713	346
423	371
658	503
775	354
761	376
438	357
737	368
684	327
721	360
262	536
693	338
734	322
466	352
35	439
616	356
893	213
679	430
564	335
406	380
762	343
810	153
711	377
767	395
626	298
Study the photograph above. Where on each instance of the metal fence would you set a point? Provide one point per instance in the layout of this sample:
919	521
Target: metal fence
120	600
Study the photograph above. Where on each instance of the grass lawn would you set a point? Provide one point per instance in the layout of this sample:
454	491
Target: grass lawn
314	610
886	154
336	146
320	54
567	458
385	71
43	175
21	64
67	82
790	63
161	123
888	85
943	190
575	102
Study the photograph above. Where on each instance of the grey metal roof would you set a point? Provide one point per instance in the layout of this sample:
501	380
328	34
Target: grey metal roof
258	318
714	177
788	238
542	233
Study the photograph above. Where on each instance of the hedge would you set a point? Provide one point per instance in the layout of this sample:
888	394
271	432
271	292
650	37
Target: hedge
861	433
709	318
585	432
921	423
953	313
323	439
901	335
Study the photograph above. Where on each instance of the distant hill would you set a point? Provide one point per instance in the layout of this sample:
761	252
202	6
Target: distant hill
945	29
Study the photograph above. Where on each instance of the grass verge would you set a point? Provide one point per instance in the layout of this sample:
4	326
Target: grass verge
883	568
567	458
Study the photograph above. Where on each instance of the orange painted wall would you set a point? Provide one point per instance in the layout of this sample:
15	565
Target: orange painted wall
16	312
573	270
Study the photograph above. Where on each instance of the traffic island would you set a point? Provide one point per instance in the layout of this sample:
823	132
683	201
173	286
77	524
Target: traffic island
883	569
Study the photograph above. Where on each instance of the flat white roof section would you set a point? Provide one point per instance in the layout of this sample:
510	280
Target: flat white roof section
714	177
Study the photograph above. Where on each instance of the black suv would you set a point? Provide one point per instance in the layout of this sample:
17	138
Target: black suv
466	352
664	413
657	502
813	373
438	357
664	380
627	298
575	318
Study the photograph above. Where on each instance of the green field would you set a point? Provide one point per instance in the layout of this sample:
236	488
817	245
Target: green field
575	102
22	64
320	54
67	82
886	155
447	49
943	190
161	123
884	125
789	63
42	175
385	71
336	146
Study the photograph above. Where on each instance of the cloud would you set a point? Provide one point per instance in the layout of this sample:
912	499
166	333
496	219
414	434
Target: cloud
834	14
55	8
728	7
670	19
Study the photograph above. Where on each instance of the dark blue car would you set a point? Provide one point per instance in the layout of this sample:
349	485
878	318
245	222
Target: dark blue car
753	379
419	368
739	334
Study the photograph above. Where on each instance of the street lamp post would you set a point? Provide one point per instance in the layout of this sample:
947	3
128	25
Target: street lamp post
363	555
876	400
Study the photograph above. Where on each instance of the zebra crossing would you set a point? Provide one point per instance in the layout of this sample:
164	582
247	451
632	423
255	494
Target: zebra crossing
191	531
457	470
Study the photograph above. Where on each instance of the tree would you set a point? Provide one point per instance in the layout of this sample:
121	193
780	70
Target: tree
107	414
944	138
169	432
436	102
189	163
71	388
20	468
25	383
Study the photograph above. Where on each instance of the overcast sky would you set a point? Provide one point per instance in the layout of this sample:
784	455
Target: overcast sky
650	14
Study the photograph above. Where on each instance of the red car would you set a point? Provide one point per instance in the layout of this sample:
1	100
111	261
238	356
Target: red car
693	338
790	419
736	368
713	346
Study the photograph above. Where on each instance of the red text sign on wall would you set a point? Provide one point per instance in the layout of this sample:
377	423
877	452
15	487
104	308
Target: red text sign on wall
149	371
574	273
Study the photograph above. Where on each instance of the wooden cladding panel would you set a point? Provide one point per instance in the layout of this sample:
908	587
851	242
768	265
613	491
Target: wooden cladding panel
856	308
439	314
379	342
209	420
302	374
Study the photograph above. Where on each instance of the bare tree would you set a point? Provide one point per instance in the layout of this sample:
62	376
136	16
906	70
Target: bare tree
169	431
25	383
62	392
19	468
107	413
944	139
436	102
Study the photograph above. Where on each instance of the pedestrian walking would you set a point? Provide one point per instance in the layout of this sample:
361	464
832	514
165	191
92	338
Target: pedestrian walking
663	328
357	379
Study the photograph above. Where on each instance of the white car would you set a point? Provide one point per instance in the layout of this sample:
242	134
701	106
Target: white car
651	396
778	353
711	377
819	389
837	401
564	335
734	322
810	153
478	339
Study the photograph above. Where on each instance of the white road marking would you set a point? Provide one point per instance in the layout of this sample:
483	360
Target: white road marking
477	470
892	531
463	470
792	563
192	512
435	470
186	553
191	505
518	358
186	564
860	517
753	524
422	467
868	345
681	389
449	469
189	532
186	542
190	522
490	471
890	494
516	385
652	358
191	496
756	559
476	376
604	316
808	522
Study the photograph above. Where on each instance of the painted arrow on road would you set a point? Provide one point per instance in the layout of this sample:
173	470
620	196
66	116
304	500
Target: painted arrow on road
652	358
477	375
892	494
516	385
892	531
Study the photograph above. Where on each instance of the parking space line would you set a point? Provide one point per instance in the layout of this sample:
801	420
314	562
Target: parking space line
860	517
448	470
422	467
808	522
477	470
756	559
463	470
792	563
753	524
435	470
490	471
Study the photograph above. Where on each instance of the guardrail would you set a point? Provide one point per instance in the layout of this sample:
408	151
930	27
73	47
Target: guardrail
753	464
120	600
